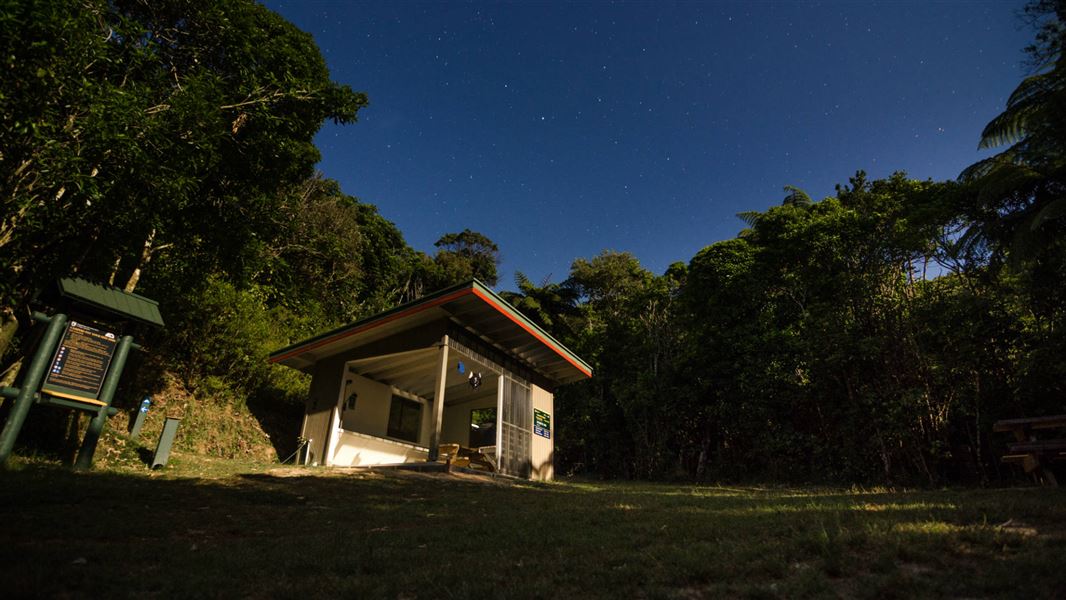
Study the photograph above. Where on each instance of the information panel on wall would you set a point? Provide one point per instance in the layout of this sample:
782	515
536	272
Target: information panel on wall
542	423
80	364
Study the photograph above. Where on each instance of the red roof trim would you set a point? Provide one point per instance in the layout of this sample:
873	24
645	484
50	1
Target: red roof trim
530	330
369	326
421	307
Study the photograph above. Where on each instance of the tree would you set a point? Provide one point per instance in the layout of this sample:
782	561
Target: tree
134	128
149	145
550	305
1018	197
795	197
1015	208
466	255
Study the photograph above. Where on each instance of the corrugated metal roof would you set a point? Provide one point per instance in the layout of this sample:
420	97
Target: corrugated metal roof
473	305
112	300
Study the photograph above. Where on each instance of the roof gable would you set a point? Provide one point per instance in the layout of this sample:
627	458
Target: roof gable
472	305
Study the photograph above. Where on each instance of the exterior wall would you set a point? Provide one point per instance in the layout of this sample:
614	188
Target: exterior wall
455	426
542	449
357	450
371	412
355	436
322	399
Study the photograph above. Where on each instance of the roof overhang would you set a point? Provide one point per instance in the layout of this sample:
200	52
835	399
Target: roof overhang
110	301
471	305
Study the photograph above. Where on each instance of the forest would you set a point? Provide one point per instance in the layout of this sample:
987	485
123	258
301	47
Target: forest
166	148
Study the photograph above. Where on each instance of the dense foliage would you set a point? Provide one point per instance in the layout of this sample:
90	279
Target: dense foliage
874	335
166	148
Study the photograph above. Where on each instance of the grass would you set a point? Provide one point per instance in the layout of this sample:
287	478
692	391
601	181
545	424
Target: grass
214	528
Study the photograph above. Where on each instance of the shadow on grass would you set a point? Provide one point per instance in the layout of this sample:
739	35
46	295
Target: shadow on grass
145	455
315	532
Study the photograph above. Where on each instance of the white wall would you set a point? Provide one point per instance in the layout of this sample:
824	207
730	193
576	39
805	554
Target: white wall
358	450
371	412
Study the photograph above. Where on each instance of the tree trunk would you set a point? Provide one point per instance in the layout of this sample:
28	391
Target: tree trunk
705	450
10	375
9	325
142	262
114	270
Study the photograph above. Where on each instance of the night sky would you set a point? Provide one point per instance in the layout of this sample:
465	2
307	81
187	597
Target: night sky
561	130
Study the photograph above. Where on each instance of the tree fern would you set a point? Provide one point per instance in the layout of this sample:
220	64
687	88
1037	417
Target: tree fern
796	197
1017	192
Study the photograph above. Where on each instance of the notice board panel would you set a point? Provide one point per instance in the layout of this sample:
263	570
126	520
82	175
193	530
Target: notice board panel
542	423
80	364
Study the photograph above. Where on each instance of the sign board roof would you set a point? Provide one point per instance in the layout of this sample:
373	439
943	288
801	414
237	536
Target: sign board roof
111	300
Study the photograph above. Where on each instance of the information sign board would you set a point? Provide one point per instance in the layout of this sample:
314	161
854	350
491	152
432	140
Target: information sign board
80	364
542	423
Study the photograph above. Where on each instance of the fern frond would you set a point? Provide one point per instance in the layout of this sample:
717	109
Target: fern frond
521	281
796	197
1056	209
1032	87
750	217
1004	179
1009	126
983	167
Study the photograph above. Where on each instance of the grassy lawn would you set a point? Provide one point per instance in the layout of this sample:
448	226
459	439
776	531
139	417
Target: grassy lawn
221	529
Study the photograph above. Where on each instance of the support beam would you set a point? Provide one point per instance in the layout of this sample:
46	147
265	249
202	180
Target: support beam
499	422
107	393
438	400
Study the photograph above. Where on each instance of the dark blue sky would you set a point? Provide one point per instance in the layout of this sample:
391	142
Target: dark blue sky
560	130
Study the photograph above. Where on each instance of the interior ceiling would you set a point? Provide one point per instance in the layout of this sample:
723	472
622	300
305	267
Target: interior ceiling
415	372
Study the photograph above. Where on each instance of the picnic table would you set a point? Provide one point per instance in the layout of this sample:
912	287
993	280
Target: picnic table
1032	452
456	455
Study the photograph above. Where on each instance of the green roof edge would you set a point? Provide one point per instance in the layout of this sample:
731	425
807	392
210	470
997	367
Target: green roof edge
517	313
370	319
472	284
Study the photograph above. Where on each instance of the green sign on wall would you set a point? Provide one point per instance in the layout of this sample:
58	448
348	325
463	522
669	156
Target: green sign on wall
542	423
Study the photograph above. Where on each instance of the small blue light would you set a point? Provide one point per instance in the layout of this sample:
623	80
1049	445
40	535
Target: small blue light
462	367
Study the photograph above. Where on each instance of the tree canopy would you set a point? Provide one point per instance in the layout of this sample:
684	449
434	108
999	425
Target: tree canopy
874	335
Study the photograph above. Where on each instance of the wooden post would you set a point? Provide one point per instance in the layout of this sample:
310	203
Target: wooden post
438	400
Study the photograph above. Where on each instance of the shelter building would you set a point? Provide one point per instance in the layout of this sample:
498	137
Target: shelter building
457	369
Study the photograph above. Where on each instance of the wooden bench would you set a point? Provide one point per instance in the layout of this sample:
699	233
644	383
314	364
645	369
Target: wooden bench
1035	454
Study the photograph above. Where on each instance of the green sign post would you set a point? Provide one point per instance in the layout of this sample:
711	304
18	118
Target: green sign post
96	426
24	395
77	365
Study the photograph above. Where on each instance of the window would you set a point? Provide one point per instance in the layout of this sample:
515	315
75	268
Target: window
405	419
482	427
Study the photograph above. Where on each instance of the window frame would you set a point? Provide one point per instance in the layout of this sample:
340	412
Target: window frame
470	426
